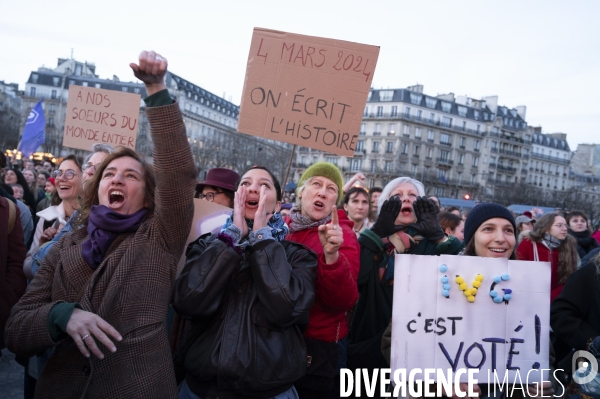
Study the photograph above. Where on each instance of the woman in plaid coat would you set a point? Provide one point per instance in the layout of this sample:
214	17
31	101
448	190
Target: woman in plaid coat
101	295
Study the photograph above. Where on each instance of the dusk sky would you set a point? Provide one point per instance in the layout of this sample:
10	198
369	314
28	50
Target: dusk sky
541	54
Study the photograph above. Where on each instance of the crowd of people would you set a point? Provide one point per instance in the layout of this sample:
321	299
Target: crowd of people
293	288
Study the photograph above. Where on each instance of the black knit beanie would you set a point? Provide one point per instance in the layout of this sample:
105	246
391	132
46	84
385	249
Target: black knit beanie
483	212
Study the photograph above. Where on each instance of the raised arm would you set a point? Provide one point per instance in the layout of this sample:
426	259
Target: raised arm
173	163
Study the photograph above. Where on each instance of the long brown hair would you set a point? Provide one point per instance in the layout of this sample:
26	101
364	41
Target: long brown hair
567	258
90	189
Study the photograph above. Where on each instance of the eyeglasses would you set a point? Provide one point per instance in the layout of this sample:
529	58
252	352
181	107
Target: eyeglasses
69	174
209	196
89	168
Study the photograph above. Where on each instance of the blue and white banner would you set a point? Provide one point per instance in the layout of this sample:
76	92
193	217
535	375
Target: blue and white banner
33	133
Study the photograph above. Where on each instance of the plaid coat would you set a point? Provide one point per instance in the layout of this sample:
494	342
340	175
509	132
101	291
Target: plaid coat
130	289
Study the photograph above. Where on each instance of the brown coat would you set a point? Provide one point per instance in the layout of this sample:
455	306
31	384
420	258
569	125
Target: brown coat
12	255
131	289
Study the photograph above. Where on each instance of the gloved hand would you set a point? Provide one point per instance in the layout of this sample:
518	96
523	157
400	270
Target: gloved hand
427	224
384	225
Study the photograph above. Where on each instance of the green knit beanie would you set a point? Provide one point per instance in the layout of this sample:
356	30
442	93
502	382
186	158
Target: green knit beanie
324	169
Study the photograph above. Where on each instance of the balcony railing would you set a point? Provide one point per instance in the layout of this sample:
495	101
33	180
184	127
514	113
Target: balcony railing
507	168
446	143
424	120
445	161
550	158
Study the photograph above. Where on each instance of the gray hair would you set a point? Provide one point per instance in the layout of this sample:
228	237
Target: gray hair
299	190
99	147
391	186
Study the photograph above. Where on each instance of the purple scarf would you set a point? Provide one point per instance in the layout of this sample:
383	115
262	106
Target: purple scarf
103	227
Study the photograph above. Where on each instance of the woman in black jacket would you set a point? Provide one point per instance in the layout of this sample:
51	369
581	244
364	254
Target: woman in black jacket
578	228
248	293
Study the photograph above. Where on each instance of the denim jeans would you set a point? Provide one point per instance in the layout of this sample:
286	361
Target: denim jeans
186	393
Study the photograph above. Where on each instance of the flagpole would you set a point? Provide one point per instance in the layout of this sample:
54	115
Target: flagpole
287	173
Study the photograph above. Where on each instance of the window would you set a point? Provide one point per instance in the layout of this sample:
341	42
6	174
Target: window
366	111
430	136
475	161
405	148
446	106
32	92
439	191
389	147
373	166
415	98
137	91
51	122
419	114
416	150
332	160
355	164
418	133
362	128
97	85
429	152
380	111
377	131
84	84
386	95
394	112
360	146
315	159
388	166
392	128
444	156
494	145
446	121
405	130
478	128
78	70
462	111
375	146
461	159
413	169
407	111
445	139
52	108
477	145
458	177
492	160
464	125
430	102
463	142
34	77
476	114
431	117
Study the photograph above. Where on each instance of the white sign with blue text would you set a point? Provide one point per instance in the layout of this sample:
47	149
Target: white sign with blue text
466	312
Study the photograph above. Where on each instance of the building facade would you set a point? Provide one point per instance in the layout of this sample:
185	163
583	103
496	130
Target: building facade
53	86
456	146
10	115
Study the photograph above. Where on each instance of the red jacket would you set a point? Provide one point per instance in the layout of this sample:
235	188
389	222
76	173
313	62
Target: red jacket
525	252
336	287
12	255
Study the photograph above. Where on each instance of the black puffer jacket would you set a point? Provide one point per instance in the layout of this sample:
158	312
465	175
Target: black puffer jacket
252	308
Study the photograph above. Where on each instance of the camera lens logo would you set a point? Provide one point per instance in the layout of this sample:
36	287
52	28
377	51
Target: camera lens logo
584	371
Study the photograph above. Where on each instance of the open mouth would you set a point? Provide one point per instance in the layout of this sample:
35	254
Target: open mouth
63	187
116	197
319	205
406	211
252	203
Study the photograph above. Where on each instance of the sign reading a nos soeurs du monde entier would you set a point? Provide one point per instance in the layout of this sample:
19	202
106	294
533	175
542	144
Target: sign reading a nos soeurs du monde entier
306	90
465	312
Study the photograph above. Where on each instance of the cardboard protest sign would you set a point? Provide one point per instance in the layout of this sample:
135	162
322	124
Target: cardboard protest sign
509	335
306	90
209	217
101	116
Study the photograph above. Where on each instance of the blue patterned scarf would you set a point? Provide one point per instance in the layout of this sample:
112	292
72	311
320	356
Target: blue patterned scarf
278	227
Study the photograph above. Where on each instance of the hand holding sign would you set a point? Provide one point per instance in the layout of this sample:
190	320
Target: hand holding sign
331	237
151	70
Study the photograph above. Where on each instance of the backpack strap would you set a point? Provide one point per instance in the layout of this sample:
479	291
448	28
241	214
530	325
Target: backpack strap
12	215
